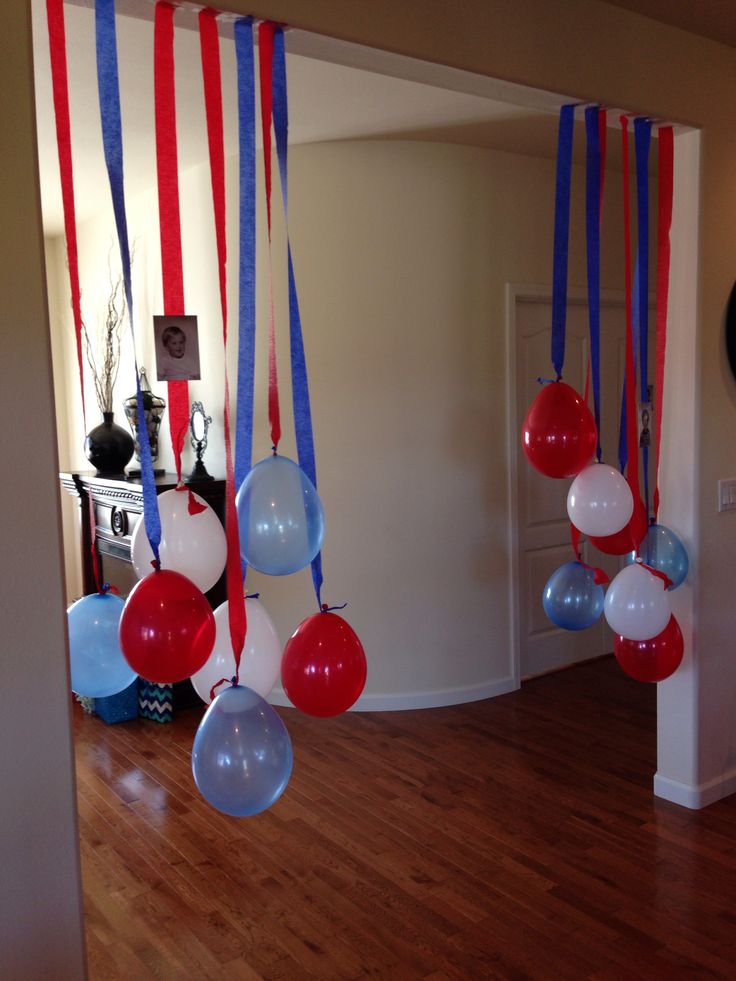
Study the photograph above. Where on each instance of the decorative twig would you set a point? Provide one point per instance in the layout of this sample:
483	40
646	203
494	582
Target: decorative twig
105	364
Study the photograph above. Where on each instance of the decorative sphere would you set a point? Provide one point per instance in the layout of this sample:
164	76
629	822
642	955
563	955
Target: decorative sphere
654	659
98	666
260	662
600	501
280	517
324	667
630	535
192	544
663	550
167	629
559	434
572	599
242	755
637	606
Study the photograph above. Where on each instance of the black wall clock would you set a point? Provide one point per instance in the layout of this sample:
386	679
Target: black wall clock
731	330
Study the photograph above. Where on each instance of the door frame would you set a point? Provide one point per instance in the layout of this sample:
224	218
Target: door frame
514	293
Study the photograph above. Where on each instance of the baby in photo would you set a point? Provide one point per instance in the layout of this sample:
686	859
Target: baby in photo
177	348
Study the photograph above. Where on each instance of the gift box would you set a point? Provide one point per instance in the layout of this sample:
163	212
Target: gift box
155	701
120	707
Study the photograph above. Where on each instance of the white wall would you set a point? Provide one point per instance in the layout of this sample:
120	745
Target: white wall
402	253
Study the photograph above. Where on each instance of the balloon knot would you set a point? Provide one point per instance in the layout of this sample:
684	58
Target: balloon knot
234	680
328	609
105	588
274	451
252	595
548	381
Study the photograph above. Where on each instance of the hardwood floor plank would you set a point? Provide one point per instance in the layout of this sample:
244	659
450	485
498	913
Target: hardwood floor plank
513	838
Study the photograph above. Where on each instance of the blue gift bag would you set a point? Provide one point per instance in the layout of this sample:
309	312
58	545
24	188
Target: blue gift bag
120	707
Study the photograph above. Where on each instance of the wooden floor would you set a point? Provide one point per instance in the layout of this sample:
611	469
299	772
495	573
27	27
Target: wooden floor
512	838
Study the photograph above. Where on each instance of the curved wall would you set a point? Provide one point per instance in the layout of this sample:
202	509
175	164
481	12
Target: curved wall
402	253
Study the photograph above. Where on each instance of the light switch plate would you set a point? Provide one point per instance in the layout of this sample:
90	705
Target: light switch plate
727	494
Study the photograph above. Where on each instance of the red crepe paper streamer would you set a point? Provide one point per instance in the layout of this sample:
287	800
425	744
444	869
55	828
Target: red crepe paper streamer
60	88
265	62
632	442
599	576
210	49
193	505
664	225
167	168
658	573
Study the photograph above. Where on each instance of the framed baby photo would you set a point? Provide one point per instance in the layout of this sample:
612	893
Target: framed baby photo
177	348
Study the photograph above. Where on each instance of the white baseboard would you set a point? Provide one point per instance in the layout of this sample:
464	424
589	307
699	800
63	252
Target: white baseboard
401	701
698	796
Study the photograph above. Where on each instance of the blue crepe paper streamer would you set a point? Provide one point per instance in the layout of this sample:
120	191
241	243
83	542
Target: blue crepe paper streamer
561	236
299	380
109	94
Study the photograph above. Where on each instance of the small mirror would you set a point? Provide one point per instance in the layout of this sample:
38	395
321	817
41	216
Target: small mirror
199	425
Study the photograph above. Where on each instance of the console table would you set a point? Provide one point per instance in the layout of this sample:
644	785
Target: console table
118	507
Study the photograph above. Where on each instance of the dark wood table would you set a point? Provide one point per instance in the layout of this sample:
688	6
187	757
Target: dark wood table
118	507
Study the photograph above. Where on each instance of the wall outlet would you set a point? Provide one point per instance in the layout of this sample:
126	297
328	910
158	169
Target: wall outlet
727	495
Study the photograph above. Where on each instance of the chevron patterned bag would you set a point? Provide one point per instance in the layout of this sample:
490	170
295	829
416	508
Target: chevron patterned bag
155	701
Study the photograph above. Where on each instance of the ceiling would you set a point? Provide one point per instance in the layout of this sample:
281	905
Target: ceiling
329	98
714	19
326	101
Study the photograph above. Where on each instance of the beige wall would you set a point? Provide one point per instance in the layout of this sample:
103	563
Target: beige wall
600	53
573	47
403	252
68	405
41	933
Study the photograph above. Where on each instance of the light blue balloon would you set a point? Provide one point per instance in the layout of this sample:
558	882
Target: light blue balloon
572	598
98	666
280	517
663	550
242	755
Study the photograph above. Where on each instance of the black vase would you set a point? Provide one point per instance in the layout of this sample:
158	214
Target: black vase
108	447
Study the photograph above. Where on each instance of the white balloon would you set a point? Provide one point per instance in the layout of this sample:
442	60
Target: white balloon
192	544
260	663
637	605
600	501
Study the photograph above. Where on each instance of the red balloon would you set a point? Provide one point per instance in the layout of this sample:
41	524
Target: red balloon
630	536
167	629
651	660
559	434
324	668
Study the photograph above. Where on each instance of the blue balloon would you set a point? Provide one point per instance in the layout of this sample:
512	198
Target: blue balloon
98	665
242	754
663	550
572	598
280	517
